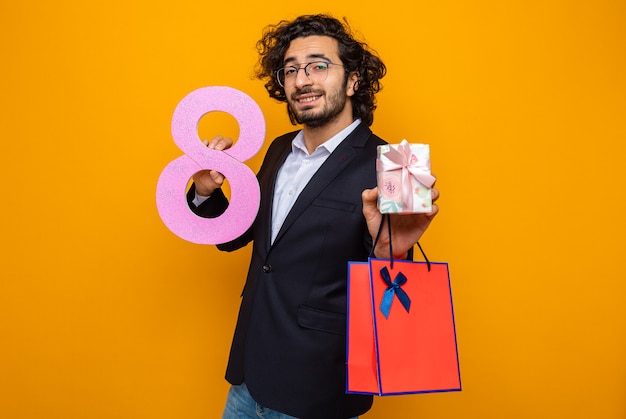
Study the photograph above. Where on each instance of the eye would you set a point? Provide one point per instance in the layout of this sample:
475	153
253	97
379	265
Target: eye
319	66
290	71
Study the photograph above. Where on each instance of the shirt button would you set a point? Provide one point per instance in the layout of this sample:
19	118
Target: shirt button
267	268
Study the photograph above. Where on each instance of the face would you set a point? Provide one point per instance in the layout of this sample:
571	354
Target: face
317	102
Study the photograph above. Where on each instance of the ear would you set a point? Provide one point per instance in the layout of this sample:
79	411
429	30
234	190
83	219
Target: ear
353	83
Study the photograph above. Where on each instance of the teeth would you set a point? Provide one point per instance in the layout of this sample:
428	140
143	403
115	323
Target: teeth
308	99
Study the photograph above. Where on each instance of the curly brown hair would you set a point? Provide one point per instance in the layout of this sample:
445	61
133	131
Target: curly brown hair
356	57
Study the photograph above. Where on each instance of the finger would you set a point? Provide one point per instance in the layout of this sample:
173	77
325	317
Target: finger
217	176
435	194
214	142
220	143
370	196
434	210
370	210
227	142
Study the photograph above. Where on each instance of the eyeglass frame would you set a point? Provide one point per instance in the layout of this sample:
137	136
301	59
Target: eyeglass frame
328	64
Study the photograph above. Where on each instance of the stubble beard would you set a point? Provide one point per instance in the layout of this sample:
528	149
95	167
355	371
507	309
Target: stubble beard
333	107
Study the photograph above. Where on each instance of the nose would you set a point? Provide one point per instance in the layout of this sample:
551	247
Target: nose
301	78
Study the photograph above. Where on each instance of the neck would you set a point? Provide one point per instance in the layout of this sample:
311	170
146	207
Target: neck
316	136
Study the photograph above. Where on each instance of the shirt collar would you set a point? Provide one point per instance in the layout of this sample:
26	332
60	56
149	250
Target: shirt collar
329	145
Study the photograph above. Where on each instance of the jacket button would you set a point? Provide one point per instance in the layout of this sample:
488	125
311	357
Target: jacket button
267	268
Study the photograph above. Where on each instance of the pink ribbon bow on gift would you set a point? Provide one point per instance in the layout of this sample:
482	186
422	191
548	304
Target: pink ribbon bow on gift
403	158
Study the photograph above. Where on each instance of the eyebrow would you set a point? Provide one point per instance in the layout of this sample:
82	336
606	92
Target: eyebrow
291	60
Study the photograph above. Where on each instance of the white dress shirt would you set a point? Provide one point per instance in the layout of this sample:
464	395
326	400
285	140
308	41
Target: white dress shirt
297	171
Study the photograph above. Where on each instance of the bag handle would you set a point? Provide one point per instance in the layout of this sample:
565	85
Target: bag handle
380	229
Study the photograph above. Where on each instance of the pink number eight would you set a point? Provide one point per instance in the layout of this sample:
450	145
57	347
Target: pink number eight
245	194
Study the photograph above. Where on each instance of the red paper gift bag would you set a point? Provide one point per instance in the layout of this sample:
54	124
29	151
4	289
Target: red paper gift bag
401	336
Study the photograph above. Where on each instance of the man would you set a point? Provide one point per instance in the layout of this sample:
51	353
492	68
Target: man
317	212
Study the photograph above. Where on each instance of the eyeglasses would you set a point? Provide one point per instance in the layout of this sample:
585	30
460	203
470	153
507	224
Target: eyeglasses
315	71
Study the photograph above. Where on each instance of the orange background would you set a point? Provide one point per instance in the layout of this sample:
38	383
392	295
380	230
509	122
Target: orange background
104	313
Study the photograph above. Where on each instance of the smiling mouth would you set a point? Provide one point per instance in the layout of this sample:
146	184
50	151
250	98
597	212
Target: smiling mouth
308	99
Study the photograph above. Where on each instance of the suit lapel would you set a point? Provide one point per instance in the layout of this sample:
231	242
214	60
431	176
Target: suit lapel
338	161
274	161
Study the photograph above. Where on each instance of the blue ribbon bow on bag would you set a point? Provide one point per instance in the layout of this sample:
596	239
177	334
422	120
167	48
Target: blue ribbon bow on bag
394	288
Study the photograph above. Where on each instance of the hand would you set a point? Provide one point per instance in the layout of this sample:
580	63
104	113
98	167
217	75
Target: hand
406	229
207	181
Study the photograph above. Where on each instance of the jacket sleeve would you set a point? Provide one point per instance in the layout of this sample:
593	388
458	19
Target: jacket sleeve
212	208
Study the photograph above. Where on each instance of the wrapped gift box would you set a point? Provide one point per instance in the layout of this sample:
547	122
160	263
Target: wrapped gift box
404	178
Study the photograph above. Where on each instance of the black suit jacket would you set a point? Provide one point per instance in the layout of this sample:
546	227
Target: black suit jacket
289	343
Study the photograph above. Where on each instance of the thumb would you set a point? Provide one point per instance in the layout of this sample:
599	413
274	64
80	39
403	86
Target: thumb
217	176
369	196
370	205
